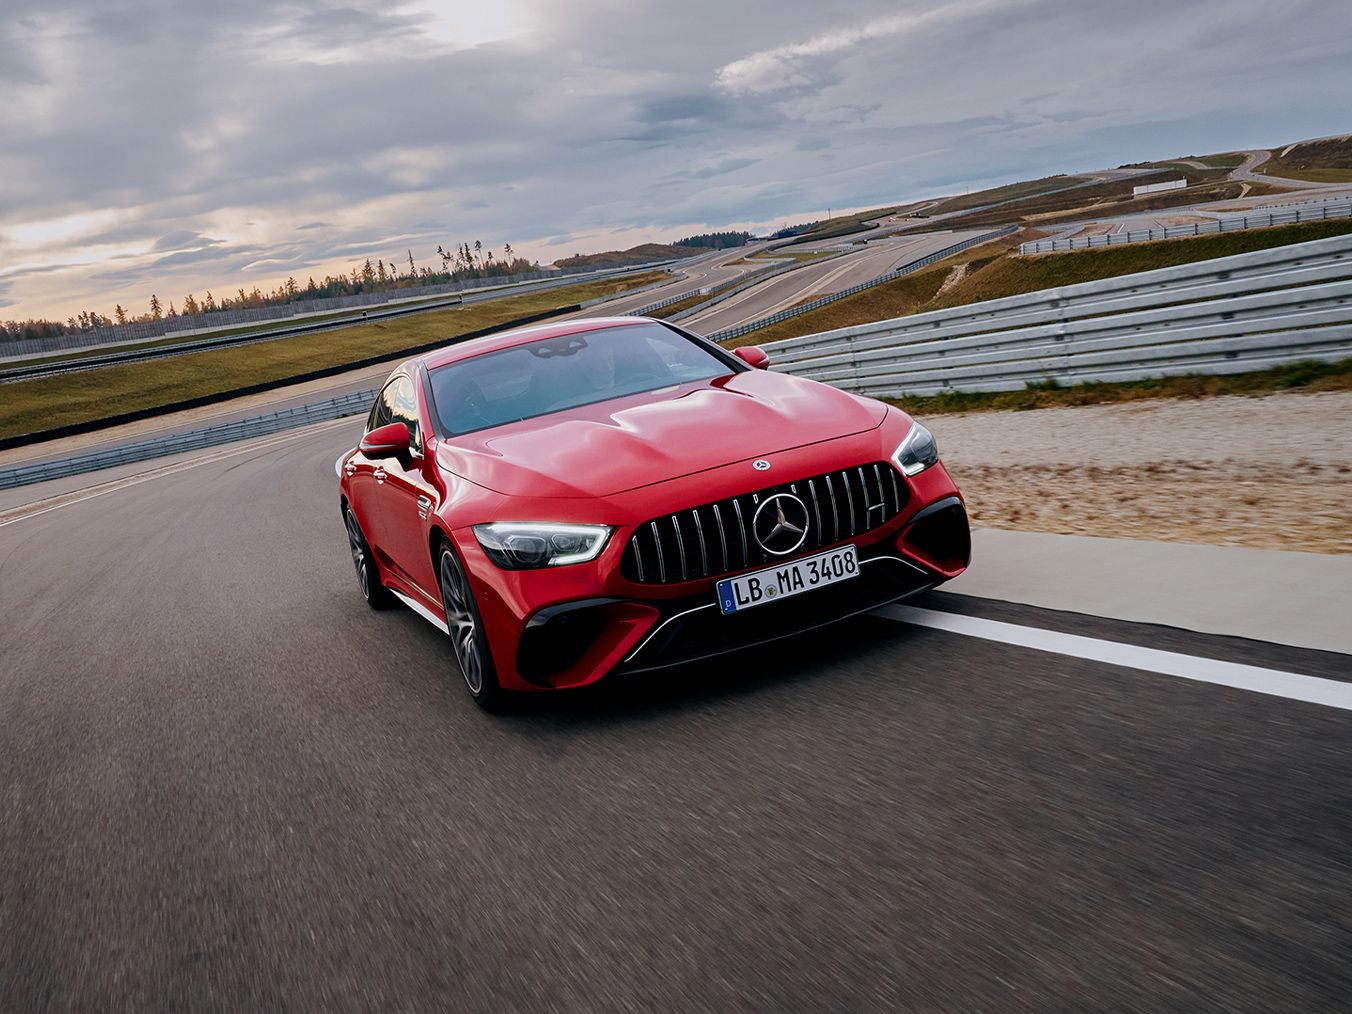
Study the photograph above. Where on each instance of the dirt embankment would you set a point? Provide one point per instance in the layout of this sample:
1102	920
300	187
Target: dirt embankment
1272	472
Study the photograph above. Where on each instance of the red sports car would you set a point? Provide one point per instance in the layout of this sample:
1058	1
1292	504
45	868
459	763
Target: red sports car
619	495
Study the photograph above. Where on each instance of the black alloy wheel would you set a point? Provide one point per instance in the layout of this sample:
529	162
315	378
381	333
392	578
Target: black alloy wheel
376	594
465	626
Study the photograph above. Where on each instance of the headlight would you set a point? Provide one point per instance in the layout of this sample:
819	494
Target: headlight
917	452
524	545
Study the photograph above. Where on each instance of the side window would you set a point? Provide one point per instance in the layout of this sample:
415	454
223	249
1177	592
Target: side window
380	411
404	408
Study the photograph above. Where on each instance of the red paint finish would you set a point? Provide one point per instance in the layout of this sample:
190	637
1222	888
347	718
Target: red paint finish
620	462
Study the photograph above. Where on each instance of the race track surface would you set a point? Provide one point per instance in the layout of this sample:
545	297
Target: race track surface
225	783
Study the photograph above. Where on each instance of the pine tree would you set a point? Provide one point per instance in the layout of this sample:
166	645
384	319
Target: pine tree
120	314
190	307
156	311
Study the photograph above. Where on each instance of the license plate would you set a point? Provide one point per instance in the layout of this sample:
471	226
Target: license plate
775	583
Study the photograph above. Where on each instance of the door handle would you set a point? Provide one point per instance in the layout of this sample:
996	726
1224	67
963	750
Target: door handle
424	507
380	473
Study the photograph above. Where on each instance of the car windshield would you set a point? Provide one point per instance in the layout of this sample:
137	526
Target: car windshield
554	374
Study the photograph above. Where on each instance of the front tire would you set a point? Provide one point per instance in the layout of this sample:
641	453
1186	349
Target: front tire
468	640
377	596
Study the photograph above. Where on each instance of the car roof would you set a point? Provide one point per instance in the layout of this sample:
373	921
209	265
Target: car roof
520	336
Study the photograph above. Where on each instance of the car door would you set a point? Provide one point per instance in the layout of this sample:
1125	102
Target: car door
408	497
363	490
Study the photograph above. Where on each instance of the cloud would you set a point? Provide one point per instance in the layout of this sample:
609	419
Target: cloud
803	64
213	146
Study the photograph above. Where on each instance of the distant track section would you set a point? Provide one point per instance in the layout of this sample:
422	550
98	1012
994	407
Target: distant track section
188	346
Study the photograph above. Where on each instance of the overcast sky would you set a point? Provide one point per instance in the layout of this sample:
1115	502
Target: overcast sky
171	147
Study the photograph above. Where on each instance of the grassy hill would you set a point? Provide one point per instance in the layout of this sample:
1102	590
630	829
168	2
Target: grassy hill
643	254
1319	161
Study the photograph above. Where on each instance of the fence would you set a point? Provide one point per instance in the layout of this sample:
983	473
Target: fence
1232	223
924	262
1226	315
156	447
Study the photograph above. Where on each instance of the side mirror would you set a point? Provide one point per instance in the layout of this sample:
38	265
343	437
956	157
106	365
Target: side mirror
753	355
388	441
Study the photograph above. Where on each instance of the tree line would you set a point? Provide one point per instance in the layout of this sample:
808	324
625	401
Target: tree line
716	240
463	263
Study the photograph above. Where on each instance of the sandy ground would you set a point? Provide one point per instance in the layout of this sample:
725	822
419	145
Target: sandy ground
1273	472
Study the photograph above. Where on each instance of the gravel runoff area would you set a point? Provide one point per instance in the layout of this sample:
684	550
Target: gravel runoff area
1272	472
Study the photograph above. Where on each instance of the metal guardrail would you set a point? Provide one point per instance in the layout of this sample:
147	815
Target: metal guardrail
209	436
734	332
1235	223
643	311
1226	315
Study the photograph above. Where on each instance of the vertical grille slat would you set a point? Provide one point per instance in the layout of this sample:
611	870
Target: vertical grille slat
864	508
835	514
849	499
741	525
817	511
703	550
661	560
664	550
638	557
722	538
680	548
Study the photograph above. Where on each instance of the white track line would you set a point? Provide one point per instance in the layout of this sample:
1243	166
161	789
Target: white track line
1292	686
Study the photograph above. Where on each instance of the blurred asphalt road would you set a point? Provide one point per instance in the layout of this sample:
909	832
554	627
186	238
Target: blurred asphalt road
225	783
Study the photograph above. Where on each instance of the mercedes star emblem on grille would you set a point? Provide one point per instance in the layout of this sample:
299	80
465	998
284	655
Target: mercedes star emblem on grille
780	524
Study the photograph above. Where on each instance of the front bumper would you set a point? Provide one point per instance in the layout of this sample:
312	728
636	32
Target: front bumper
571	626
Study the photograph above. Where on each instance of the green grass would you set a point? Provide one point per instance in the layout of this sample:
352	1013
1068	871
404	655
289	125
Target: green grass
994	270
180	338
1111	198
1228	160
1311	376
32	405
783	255
1317	161
845	225
1315	175
685	304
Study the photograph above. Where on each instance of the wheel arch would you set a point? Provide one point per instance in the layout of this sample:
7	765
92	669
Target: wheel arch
436	534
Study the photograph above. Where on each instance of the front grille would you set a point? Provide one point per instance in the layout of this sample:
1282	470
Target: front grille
716	538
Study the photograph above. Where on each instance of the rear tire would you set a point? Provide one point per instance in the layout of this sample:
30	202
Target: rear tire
377	596
469	643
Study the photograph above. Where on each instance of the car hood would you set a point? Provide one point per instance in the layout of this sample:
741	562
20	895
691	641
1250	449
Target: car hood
608	448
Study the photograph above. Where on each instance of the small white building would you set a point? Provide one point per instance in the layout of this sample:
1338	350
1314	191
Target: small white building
1155	188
